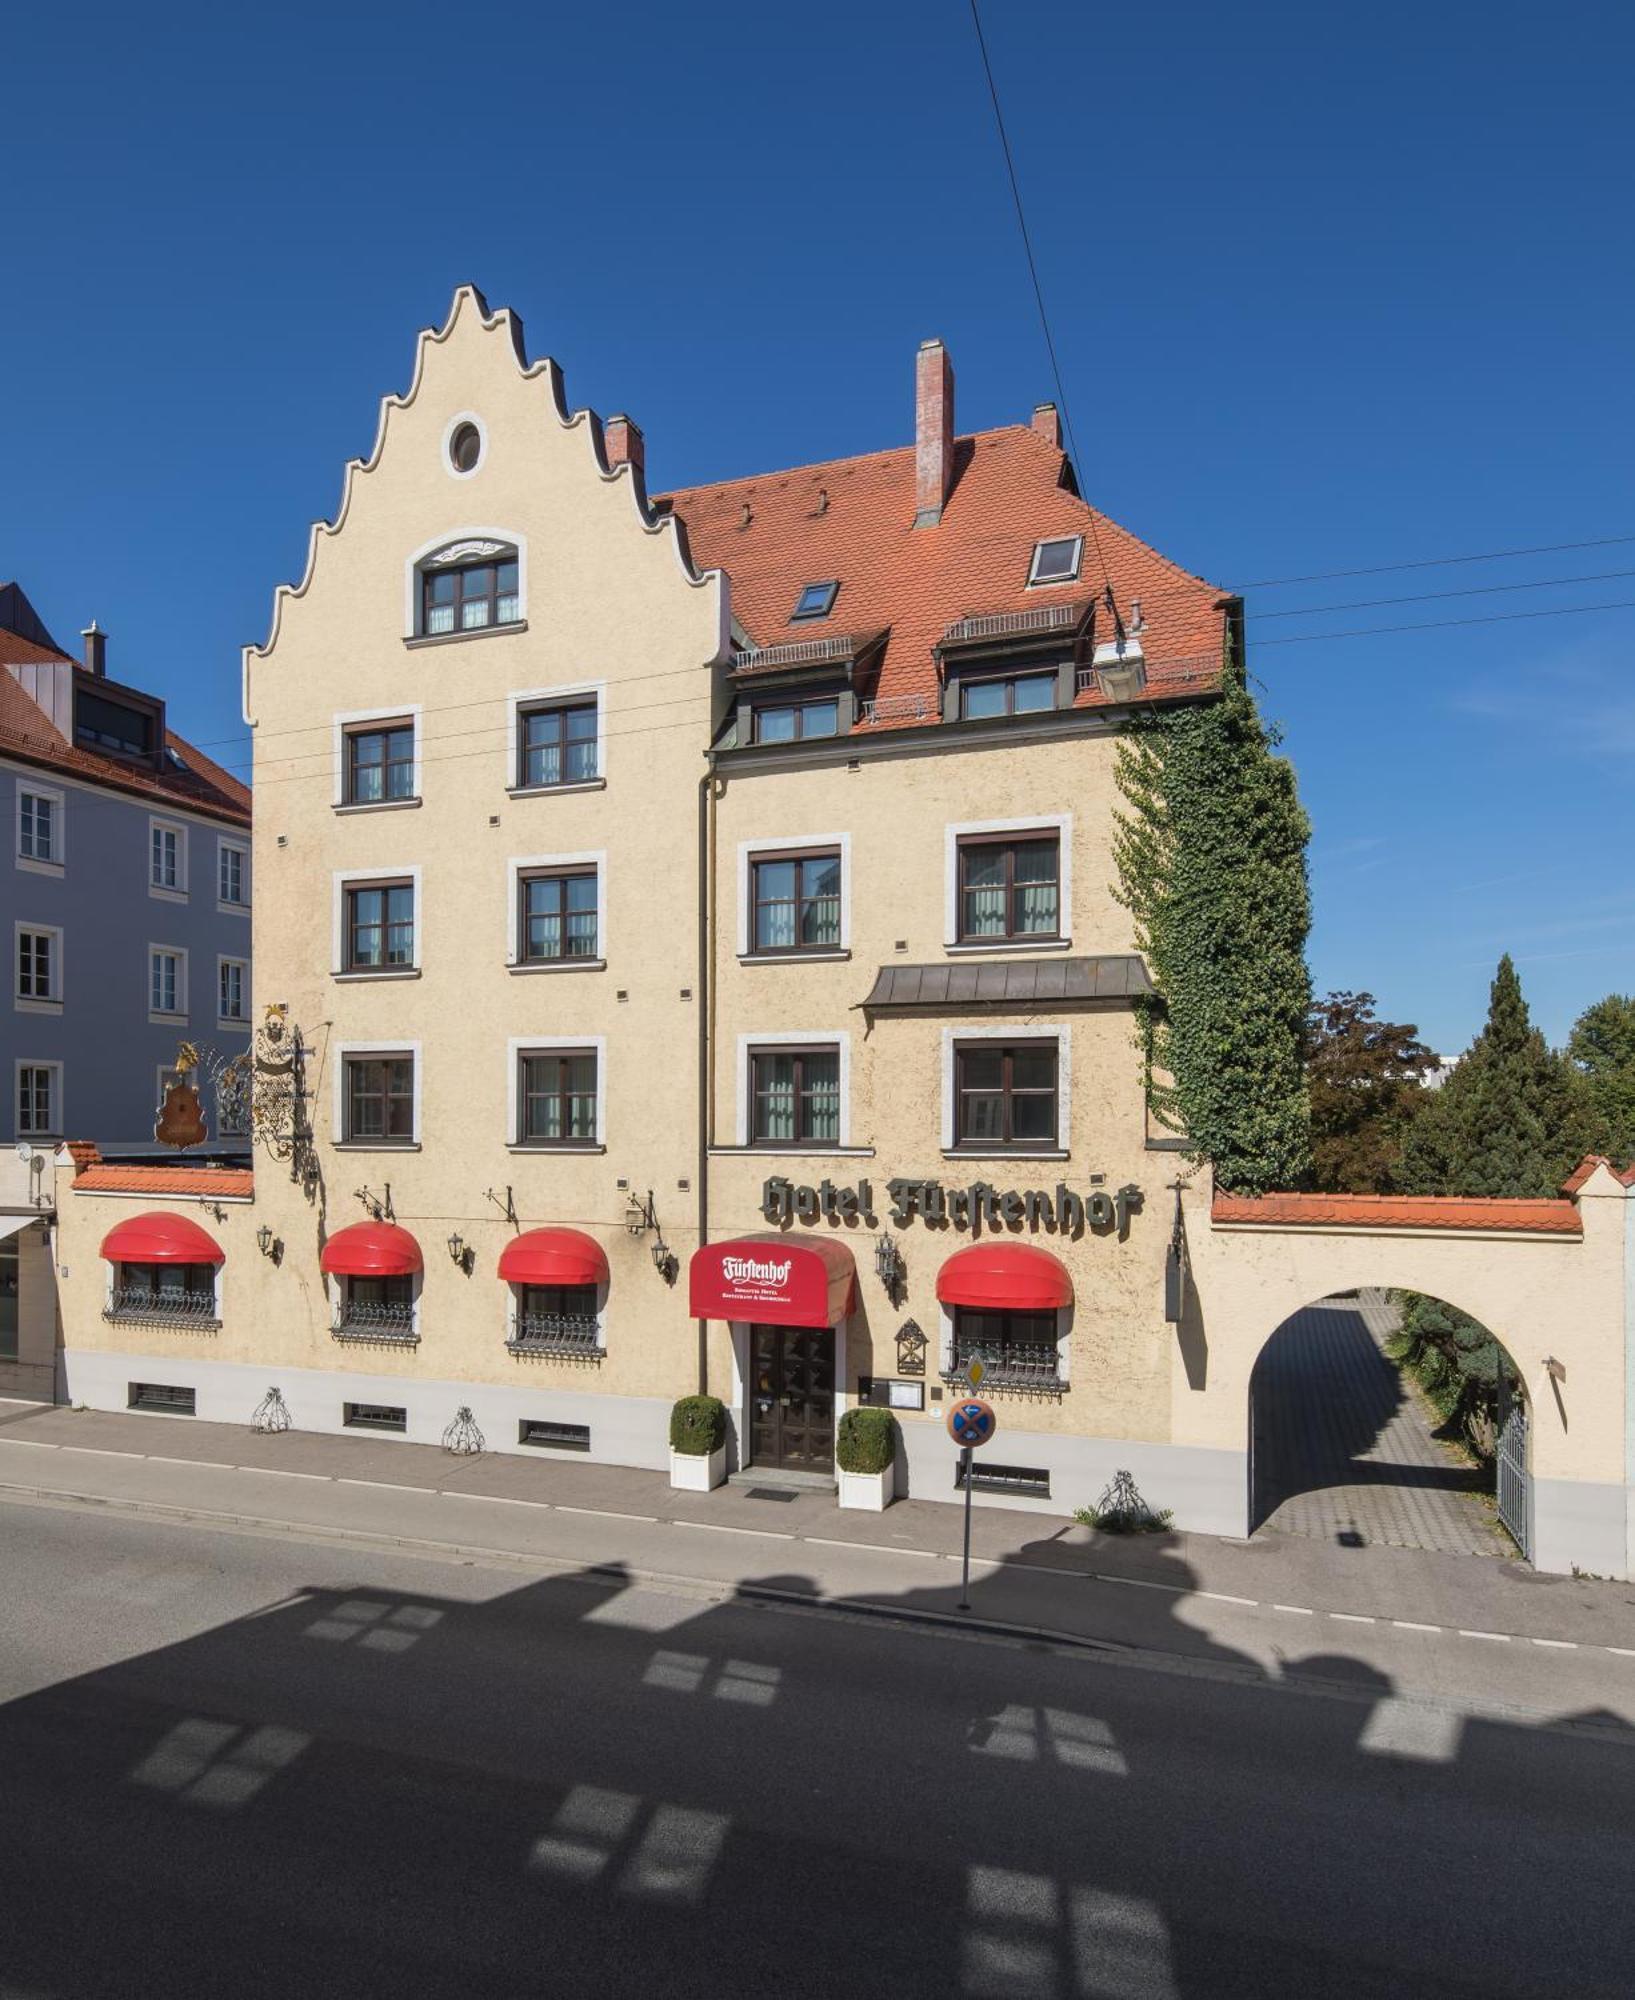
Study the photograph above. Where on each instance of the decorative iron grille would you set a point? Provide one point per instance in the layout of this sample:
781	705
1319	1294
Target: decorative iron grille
571	1336
375	1319
1035	1369
162	1308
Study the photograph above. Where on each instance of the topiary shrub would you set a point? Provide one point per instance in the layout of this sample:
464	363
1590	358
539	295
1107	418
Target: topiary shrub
698	1426
866	1441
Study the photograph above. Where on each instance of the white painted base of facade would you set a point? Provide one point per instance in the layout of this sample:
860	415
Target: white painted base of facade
1580	1524
624	1430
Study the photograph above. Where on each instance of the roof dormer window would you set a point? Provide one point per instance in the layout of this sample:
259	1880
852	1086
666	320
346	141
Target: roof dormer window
469	587
815	601
1056	561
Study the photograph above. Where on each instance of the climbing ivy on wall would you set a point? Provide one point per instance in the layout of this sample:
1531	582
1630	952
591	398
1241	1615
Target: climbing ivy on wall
1211	858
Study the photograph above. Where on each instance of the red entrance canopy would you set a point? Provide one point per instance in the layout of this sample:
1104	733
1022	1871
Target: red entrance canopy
554	1257
1005	1277
371	1250
161	1238
776	1280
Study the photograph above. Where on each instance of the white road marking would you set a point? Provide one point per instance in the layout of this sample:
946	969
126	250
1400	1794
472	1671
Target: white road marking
1408	1625
1300	1610
1502	1638
1352	1618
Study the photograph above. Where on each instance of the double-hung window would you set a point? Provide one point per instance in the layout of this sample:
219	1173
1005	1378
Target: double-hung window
470	598
379	1100
558	917
795	901
38	815
39	966
380	927
1007	694
230	993
794	1096
556	1097
230	874
1009	887
1005	1094
39	1107
557	745
380	764
167	865
167	981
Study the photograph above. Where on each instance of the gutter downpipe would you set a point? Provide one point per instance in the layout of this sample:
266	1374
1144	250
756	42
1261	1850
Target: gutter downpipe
706	1039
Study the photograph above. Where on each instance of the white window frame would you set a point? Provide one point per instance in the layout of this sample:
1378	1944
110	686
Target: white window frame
1017	1031
1038	582
551	1045
58	1120
363	718
343	1052
519	865
553	697
1061	824
1064	1342
841	1041
464	417
160	1016
58	802
163	891
242	849
748	853
32	1003
346	879
223	960
411	573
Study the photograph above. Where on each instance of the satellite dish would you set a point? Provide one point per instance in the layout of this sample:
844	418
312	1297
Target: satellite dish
25	1151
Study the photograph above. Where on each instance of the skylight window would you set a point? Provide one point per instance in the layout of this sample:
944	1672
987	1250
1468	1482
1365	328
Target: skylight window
1057	561
815	601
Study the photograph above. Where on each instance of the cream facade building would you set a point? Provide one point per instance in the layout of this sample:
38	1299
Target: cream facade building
687	938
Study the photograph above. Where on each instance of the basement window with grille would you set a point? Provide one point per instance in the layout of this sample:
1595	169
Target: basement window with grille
375	1417
164	1396
553	1437
989	1478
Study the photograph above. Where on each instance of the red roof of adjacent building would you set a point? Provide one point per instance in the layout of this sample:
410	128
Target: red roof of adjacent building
1387	1211
28	733
1586	1168
221	1182
851	520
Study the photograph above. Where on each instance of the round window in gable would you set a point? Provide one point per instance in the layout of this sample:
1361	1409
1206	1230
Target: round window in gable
465	447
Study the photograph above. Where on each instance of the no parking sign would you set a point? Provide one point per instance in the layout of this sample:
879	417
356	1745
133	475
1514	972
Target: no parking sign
971	1422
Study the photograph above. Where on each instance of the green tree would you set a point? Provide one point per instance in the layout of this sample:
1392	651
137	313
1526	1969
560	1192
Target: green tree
1514	1118
1602	1050
1366	1081
1211	859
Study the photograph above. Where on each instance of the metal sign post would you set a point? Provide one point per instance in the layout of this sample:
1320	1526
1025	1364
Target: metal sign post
970	1423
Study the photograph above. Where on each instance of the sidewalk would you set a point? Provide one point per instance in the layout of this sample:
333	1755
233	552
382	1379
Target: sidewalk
1034	1567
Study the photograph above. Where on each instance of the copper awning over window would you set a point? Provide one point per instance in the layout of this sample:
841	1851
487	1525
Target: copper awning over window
1007	983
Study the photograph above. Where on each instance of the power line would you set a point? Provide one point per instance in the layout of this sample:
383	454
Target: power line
1033	272
1437	562
1439	624
1430	596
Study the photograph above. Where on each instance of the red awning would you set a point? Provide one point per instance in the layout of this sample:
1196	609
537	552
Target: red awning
161	1238
1005	1277
371	1250
554	1257
777	1280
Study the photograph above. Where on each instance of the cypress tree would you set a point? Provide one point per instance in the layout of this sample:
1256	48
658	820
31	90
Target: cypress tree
1211	859
1512	1119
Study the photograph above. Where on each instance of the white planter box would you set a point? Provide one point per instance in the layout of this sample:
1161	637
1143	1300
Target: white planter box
695	1474
871	1492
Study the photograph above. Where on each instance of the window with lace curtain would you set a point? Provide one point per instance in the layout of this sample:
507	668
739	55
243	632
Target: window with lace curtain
795	1096
464	596
1009	887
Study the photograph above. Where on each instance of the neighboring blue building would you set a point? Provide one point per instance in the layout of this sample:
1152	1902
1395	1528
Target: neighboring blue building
124	900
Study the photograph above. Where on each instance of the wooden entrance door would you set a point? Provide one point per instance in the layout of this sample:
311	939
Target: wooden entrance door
792	1397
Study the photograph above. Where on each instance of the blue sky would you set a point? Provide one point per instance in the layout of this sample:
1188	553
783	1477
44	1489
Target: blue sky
1331	289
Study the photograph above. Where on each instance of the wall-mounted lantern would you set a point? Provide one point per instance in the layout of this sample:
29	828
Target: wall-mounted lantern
270	1246
461	1253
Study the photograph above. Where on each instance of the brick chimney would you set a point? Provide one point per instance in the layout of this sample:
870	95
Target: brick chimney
1048	423
933	432
624	444
96	649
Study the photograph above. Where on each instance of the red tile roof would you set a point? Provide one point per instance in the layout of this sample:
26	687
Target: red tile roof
1587	1166
1385	1211
28	733
111	1178
852	519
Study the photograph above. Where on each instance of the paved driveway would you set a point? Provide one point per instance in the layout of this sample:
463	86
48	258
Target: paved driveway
1343	1451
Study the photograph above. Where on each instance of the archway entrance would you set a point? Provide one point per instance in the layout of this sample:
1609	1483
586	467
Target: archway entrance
1385	1418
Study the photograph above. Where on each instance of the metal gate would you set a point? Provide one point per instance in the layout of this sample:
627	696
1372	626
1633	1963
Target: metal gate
1515	1499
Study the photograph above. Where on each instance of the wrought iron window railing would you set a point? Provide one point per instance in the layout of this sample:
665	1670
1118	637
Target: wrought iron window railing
572	1336
165	1307
374	1319
1010	1366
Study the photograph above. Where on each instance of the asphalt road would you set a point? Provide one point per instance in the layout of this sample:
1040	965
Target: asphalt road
244	1765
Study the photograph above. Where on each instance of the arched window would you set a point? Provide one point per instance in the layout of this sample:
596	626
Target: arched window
471	585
